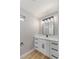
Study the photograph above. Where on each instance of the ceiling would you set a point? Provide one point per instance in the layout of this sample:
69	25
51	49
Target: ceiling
39	8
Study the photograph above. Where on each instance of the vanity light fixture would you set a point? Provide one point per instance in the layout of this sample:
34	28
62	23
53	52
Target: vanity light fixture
48	19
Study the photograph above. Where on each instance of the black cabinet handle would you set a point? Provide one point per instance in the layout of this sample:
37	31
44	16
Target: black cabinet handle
54	49
43	46
55	57
55	43
36	42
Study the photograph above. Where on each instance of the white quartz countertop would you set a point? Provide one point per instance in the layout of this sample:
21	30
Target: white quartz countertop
54	38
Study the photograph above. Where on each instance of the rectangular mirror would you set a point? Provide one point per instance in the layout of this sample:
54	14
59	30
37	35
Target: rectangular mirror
48	26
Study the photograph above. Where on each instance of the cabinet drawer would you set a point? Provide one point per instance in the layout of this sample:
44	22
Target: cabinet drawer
53	53
54	42
36	45
53	57
54	47
36	40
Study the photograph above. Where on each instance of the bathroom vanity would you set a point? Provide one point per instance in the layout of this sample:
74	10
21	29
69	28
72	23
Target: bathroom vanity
47	41
47	45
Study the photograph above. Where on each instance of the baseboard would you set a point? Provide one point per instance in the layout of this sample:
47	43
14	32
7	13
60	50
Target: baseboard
21	57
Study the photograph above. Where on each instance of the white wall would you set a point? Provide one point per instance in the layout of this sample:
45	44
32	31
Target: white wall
27	28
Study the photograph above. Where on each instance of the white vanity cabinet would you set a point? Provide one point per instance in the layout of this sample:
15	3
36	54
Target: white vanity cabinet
42	46
53	49
48	47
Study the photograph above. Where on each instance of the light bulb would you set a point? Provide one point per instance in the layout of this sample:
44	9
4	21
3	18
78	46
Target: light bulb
42	22
48	20
52	19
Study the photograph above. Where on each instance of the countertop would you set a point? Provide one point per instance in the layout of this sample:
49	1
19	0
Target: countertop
54	38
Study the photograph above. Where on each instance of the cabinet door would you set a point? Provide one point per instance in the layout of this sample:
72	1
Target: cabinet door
47	47
41	45
44	46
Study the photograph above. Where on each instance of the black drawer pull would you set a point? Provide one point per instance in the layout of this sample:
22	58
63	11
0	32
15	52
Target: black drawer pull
55	43
43	46
55	57
54	49
36	42
36	39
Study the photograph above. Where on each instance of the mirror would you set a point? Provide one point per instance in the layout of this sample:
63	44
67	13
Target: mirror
48	26
51	27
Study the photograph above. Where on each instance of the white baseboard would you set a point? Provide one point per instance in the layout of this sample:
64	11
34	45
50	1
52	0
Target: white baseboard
21	57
